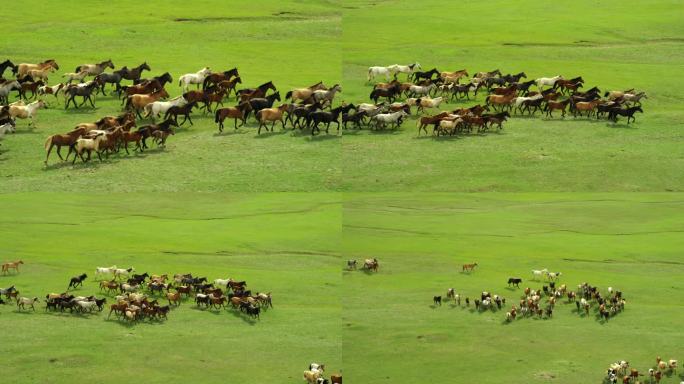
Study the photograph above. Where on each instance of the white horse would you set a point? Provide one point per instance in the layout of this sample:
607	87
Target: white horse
159	107
538	273
6	88
396	69
426	102
394	119
6	128
378	71
194	78
86	305
550	81
326	95
26	111
221	282
100	271
121	272
419	90
71	76
519	100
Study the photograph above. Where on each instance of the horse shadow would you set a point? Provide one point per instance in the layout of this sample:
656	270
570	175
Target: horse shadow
227	132
385	131
244	318
512	289
435	306
621	126
323	137
269	134
81	111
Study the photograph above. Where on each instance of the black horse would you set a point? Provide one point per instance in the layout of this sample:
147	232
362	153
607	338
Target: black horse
147	130
418	75
510	79
7	64
356	119
185	110
524	87
326	117
301	112
85	92
135	73
76	281
110	78
629	112
260	103
514	281
389	93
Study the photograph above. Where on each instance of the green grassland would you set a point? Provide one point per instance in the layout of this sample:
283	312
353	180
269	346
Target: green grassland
293	43
288	246
613	45
630	242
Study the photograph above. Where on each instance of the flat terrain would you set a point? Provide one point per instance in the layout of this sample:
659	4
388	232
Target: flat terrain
632	243
268	40
612	45
288	246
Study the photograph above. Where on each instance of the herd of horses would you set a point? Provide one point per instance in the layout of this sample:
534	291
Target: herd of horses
622	372
507	95
540	302
136	297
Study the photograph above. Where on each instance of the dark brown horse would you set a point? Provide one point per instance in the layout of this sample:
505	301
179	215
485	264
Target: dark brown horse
60	140
238	112
218	77
263	88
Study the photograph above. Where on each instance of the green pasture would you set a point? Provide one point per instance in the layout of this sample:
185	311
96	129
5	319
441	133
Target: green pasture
287	245
393	334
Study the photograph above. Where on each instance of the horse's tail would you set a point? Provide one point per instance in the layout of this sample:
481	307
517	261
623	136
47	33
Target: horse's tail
258	116
288	95
606	94
78	69
48	142
148	109
204	82
369	73
487	99
129	100
180	81
217	116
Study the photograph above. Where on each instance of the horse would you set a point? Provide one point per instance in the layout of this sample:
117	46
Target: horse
23	301
87	145
377	71
161	135
510	79
418	75
24	68
148	130
322	96
11	265
396	69
484	75
184	110
75	76
371	264
500	100
550	81
252	92
389	93
424	121
629	112
271	114
85	91
216	78
326	117
95	69
6	88
76	281
262	102
634	98
109	78
304	93
230	85
156	108
394	119
468	267
135	73
7	64
139	101
39	74
50	90
30	86
215	97
193	78
26	111
426	102
553	105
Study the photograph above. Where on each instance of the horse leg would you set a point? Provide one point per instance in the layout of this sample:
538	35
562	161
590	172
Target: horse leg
91	101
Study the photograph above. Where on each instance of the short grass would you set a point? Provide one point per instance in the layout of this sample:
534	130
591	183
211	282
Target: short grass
613	45
287	245
293	43
393	334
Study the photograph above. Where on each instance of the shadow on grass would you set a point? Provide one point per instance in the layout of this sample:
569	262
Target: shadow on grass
243	317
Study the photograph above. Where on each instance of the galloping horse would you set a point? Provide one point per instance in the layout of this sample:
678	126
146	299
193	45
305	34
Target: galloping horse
468	267
238	112
304	93
26	111
59	140
95	69
378	71
550	81
135	73
7	64
194	78
11	265
218	77
24	68
252	92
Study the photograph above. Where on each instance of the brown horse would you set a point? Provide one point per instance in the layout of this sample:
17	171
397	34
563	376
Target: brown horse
138	101
271	114
554	105
238	112
501	100
142	88
24	68
11	265
60	140
216	97
428	120
468	267
230	85
584	106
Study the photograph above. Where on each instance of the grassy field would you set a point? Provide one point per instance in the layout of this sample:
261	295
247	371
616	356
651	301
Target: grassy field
392	334
613	45
269	40
288	246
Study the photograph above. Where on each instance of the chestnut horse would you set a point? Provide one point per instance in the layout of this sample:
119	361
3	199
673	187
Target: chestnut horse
11	265
273	115
238	112
468	267
60	140
24	68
